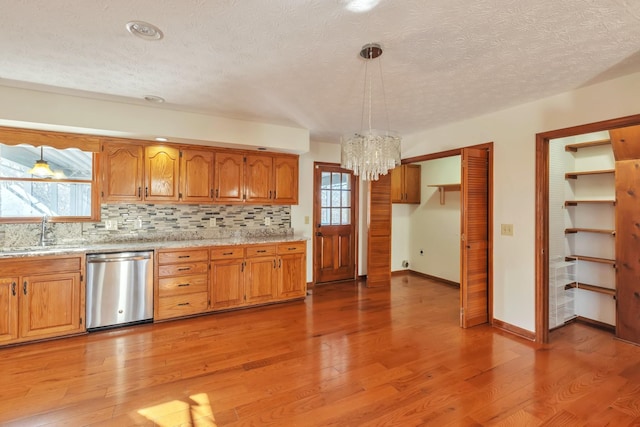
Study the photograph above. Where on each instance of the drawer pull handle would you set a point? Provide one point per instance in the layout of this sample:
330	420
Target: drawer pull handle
261	251
13	289
274	263
280	263
184	256
182	285
24	287
184	269
182	304
227	253
291	249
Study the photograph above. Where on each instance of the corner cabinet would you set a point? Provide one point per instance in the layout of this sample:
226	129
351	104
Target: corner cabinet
36	305
405	184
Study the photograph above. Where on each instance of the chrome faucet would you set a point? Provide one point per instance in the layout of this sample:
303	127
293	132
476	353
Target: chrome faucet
43	232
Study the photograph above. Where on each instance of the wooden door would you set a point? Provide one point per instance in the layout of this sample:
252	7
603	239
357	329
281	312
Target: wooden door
412	183
227	283
9	288
50	305
292	275
122	172
262	277
379	241
335	210
259	178
627	250
397	184
474	252
229	177
285	180
196	176
162	172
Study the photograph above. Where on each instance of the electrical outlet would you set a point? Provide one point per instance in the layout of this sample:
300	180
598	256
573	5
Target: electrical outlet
506	229
111	224
137	224
267	221
213	222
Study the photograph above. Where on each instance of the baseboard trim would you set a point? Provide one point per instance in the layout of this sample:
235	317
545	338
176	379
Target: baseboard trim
434	278
400	273
596	324
515	330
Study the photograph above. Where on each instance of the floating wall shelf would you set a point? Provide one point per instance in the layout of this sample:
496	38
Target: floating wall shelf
442	188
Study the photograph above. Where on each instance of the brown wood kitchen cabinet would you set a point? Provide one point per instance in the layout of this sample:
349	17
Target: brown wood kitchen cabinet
405	184
35	305
271	179
292	270
229	177
196	175
226	289
133	172
262	274
182	283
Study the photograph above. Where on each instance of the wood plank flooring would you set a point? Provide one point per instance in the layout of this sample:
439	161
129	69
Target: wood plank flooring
347	356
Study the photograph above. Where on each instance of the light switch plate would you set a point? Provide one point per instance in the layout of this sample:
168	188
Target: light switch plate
506	229
213	222
111	224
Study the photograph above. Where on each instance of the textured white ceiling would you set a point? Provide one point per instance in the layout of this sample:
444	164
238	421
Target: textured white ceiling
295	62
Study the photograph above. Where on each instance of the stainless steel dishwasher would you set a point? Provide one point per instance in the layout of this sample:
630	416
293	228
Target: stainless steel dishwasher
119	289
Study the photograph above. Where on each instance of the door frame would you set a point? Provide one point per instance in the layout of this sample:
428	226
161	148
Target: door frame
542	212
356	221
458	152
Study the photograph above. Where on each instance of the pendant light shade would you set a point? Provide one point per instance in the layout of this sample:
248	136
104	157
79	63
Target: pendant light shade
41	168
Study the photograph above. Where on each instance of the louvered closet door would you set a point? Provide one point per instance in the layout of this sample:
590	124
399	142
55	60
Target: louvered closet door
474	279
379	244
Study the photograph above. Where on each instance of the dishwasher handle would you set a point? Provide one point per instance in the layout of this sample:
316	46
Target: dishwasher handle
131	258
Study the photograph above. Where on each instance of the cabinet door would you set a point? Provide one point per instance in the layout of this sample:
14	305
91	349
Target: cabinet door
397	187
227	283
122	172
8	309
292	278
411	183
259	179
162	169
196	176
285	180
261	279
50	305
229	177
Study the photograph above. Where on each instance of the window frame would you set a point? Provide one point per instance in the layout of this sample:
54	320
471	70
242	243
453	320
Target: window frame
59	141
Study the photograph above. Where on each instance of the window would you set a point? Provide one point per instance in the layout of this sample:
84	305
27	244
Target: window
335	198
67	195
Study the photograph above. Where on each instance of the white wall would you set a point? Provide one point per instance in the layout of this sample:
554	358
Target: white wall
513	132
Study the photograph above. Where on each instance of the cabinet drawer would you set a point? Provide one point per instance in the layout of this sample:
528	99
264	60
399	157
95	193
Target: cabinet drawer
40	265
183	269
292	248
227	252
182	285
173	257
260	250
182	305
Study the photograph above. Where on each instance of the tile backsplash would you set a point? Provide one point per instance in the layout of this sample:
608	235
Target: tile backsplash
157	222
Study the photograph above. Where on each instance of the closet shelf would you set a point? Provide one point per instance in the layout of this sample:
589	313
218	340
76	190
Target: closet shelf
589	230
612	262
575	175
576	147
443	188
592	288
577	202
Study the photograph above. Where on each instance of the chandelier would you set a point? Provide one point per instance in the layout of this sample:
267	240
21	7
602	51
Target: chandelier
370	153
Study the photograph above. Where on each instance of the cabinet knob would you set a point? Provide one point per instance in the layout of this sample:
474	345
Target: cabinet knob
13	289
24	287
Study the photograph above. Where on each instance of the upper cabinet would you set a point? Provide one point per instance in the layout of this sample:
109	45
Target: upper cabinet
122	172
162	171
405	184
196	175
138	172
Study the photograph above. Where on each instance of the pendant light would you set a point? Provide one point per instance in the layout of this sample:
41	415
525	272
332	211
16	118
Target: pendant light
41	168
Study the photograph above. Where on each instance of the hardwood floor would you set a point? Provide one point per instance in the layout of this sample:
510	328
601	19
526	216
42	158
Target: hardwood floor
346	356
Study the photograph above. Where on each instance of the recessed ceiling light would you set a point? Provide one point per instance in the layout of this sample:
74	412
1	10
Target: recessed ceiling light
144	30
161	139
154	99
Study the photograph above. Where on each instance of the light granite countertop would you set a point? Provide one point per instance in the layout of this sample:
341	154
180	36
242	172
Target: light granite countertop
127	246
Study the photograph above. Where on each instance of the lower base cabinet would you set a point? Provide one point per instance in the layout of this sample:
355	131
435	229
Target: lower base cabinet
238	276
34	305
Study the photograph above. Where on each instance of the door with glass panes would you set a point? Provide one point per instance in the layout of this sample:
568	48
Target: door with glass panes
335	210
